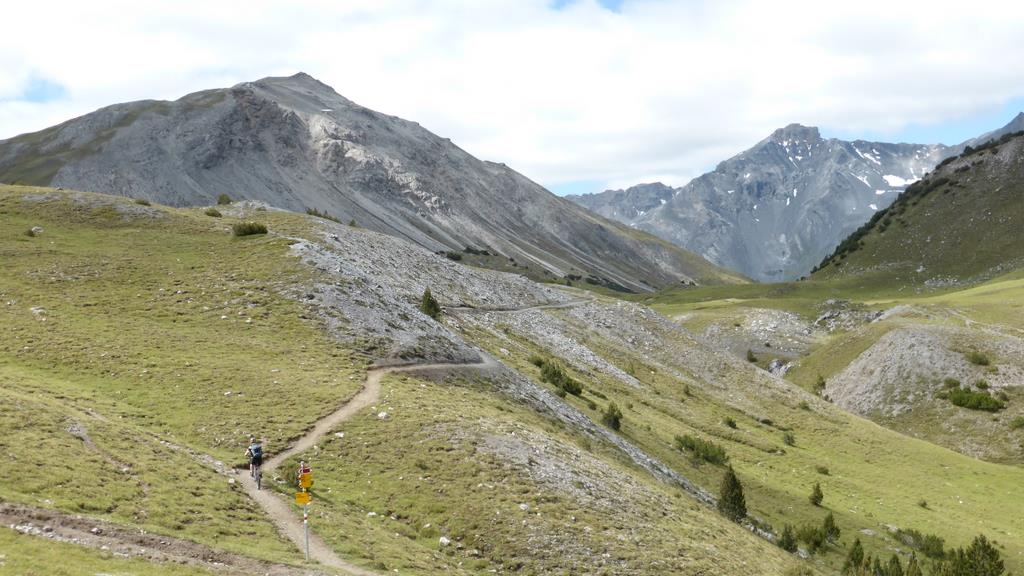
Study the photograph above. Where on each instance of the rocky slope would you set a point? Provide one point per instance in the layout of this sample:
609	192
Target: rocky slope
773	211
295	143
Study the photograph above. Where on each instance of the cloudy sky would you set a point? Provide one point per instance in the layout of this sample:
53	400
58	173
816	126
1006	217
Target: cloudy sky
579	95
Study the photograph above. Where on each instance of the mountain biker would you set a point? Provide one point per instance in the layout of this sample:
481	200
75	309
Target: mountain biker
255	455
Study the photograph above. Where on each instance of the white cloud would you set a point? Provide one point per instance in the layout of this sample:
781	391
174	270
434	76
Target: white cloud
662	88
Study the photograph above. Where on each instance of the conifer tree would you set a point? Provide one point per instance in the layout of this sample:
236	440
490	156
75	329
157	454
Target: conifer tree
854	558
731	502
876	568
816	495
429	306
788	539
913	569
895	568
830	529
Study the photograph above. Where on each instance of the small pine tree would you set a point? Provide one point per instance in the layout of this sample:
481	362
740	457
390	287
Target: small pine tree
830	529
876	568
895	568
816	495
913	569
750	356
429	306
855	558
731	502
979	559
788	539
612	416
223	199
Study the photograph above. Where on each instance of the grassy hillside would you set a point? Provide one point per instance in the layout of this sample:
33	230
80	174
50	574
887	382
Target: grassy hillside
961	223
143	344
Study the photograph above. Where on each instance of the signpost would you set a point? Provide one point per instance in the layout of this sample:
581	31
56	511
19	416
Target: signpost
303	498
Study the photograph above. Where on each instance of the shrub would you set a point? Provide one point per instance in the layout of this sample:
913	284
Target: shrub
223	199
319	214
928	544
823	470
30	233
1017	423
612	416
352	223
975	400
429	305
977	358
213	212
141	201
923	503
553	373
702	449
950	383
750	356
816	495
248	228
788	439
819	384
728	421
981	385
787	541
454	256
813	536
803	405
731	502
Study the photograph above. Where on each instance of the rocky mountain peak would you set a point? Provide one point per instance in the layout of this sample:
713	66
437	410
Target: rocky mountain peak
795	133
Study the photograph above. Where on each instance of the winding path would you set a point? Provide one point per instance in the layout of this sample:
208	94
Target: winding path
284	514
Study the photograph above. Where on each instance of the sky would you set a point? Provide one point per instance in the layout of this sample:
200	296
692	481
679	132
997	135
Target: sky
579	95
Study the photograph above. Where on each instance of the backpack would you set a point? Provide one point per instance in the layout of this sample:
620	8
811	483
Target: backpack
256	450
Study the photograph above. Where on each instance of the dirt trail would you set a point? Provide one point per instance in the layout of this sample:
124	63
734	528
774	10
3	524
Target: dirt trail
284	514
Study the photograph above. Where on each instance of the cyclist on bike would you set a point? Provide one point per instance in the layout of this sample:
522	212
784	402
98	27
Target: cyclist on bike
255	455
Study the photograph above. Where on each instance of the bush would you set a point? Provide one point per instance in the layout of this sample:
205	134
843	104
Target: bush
223	199
553	373
30	233
248	228
823	470
319	214
731	502
981	385
975	400
429	305
788	439
612	416
213	212
750	356
816	495
352	223
819	385
813	536
1017	423
977	358
141	201
787	541
803	405
454	256
950	383
854	558
728	421
981	558
702	449
928	544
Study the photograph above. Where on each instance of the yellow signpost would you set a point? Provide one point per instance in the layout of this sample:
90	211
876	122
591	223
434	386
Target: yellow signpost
303	499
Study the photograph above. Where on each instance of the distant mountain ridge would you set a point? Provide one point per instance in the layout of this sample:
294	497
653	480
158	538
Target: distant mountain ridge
775	210
295	143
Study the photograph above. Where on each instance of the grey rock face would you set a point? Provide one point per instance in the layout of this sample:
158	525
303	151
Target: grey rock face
294	143
774	211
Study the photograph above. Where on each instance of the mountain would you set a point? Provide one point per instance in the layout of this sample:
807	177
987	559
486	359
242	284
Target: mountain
773	211
295	143
1015	125
962	223
626	205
